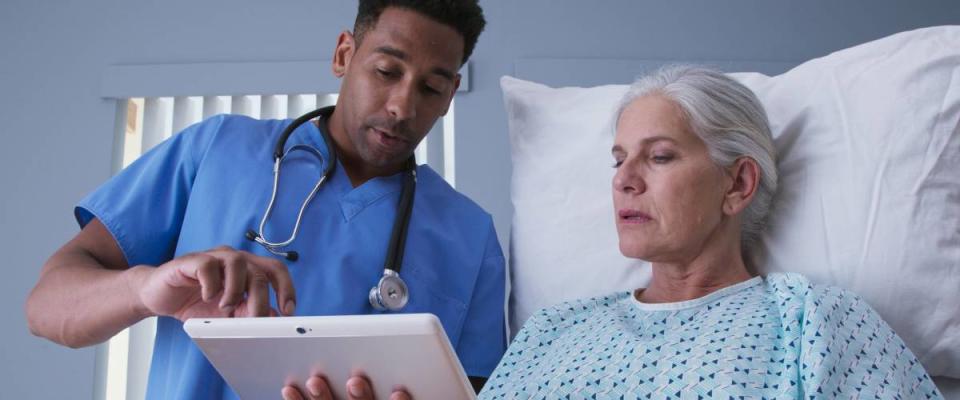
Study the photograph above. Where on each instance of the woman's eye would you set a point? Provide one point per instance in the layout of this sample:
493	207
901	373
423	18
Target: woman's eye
662	158
617	163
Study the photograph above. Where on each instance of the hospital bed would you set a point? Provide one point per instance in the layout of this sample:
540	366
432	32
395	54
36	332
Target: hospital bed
869	149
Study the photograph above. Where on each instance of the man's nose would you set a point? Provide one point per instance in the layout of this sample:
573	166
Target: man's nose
402	104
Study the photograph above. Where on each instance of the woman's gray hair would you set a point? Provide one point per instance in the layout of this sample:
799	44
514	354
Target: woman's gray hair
729	118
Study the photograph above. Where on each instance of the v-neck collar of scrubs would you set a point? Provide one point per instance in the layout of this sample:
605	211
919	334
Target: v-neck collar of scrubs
352	200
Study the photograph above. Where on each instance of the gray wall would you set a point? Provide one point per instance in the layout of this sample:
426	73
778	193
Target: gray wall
56	131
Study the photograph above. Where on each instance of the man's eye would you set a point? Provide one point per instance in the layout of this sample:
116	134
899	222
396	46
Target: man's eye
431	90
386	73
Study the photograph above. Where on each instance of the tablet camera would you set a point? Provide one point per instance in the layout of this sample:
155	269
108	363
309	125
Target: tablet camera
301	330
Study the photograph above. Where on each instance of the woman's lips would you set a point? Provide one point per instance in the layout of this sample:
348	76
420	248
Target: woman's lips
629	216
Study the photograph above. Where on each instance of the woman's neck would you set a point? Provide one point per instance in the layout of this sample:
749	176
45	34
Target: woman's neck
719	264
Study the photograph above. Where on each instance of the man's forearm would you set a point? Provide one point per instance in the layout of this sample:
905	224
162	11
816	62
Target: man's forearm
79	302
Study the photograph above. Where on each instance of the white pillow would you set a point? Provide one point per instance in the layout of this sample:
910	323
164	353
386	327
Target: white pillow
869	159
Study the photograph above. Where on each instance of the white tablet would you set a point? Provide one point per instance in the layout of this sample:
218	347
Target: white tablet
258	356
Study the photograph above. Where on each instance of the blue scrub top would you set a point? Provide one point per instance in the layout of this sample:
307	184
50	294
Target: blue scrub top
206	186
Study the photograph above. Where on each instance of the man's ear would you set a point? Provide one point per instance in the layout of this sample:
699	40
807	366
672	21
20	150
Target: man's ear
745	178
456	86
343	53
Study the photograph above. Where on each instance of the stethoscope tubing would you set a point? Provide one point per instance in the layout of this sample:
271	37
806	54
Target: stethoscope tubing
273	196
391	292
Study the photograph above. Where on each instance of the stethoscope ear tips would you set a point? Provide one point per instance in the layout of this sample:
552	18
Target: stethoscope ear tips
251	235
292	256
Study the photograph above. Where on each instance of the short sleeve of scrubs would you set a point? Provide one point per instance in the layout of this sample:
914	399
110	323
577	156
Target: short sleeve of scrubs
483	338
143	205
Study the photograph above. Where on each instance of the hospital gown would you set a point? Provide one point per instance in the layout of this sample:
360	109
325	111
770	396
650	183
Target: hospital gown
774	338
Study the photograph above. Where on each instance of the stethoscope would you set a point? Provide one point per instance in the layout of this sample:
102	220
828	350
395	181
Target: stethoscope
391	292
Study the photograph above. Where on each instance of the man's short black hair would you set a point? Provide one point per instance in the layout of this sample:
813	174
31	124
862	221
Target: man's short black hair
465	16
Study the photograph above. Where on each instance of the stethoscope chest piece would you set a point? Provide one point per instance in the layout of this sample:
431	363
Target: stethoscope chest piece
390	293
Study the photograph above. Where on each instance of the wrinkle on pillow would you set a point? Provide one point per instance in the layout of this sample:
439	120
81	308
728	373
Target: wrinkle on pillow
869	160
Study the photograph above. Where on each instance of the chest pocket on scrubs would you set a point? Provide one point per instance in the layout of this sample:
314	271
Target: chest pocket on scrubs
427	296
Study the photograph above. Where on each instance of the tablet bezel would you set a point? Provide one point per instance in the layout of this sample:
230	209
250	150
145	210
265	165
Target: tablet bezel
379	346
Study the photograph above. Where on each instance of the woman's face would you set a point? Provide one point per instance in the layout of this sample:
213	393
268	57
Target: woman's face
667	192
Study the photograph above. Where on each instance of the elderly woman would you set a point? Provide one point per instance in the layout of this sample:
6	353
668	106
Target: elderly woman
695	176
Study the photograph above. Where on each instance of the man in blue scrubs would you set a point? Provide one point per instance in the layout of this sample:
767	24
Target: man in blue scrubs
166	238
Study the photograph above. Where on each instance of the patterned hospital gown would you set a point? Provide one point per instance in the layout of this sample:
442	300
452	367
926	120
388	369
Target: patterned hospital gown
774	338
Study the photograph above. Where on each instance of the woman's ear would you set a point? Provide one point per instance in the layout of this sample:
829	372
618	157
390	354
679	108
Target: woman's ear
343	53
745	174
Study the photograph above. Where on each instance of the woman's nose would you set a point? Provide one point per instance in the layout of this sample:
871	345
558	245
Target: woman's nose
628	181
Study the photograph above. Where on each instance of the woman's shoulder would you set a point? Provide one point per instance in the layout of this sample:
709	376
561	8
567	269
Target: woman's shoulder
574	312
800	299
788	283
584	306
837	331
793	286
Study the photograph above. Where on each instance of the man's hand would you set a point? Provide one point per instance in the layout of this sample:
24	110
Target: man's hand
87	292
222	282
358	388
